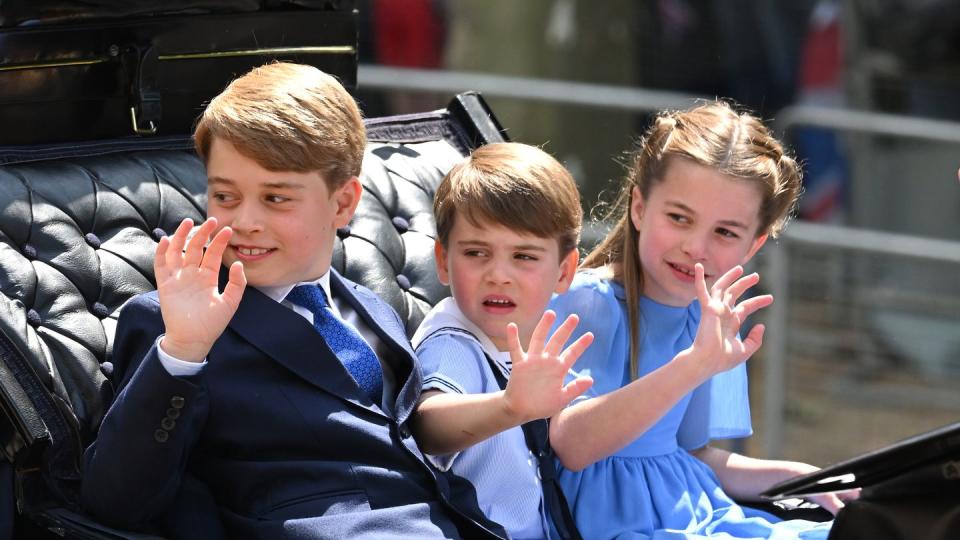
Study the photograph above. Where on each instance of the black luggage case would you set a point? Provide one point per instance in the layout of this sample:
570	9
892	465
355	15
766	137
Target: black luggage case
100	77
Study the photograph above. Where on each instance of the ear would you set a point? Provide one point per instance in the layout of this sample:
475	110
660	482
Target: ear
758	243
636	207
440	257
568	268
347	197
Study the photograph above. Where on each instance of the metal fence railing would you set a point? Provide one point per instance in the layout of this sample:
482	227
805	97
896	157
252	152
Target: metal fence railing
851	308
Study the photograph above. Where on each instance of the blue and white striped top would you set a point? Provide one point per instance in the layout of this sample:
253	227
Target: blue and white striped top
502	469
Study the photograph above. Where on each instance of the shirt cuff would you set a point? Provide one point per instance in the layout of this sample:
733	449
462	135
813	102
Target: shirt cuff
175	366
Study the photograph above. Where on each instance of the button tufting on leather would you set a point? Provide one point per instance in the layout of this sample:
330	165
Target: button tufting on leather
403	281
401	224
100	310
159	233
93	240
34	318
29	251
343	232
107	369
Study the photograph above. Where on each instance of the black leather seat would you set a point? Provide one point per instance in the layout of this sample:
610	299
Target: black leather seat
78	229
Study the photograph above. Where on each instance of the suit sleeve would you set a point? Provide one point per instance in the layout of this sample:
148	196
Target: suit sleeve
132	472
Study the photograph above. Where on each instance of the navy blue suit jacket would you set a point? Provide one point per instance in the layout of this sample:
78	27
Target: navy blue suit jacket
272	439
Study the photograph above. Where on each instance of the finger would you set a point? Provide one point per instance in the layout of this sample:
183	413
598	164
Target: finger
754	340
727	278
573	352
194	250
160	257
213	257
179	238
575	389
851	495
740	286
701	283
539	336
236	283
752	305
513	342
830	502
562	335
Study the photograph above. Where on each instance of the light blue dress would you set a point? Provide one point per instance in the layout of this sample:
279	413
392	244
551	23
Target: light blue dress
654	488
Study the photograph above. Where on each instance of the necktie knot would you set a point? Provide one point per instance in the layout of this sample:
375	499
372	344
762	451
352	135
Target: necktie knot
310	297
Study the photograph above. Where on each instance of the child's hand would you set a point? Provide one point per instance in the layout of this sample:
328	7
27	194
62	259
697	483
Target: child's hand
535	388
194	312
717	343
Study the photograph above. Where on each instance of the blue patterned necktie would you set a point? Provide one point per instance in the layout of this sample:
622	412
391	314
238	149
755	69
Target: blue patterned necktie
345	342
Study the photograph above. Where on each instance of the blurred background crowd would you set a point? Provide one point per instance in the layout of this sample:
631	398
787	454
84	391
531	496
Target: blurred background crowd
863	343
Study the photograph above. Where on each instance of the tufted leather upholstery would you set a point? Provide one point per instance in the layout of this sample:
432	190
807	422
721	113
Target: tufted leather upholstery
77	236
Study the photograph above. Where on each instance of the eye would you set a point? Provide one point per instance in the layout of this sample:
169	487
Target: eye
223	197
525	257
678	218
474	253
727	233
276	199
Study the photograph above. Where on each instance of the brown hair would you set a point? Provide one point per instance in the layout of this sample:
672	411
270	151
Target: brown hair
713	135
517	186
288	117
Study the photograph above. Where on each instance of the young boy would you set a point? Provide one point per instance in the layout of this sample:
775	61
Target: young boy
276	408
508	224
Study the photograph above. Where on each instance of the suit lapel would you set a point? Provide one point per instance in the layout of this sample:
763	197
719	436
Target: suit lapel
379	318
298	347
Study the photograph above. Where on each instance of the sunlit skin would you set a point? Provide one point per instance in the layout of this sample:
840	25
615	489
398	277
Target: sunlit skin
270	228
694	215
283	222
499	276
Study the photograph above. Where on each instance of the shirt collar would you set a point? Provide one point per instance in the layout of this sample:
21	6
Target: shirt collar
278	293
447	314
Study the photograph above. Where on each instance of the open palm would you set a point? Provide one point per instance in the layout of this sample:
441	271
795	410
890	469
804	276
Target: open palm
721	317
536	386
194	310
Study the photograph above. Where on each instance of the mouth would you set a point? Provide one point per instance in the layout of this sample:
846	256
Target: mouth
248	253
685	272
498	303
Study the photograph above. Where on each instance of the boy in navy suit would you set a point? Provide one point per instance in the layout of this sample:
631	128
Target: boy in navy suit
266	396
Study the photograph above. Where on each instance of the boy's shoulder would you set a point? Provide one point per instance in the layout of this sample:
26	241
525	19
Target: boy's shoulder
446	319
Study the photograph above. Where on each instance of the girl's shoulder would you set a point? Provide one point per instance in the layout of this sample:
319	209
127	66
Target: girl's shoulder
590	295
594	281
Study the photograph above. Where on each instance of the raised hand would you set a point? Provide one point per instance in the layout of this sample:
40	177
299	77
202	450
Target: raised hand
718	343
535	388
194	311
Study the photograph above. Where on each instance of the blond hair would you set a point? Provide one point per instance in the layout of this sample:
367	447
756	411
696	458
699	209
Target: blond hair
713	135
288	117
517	186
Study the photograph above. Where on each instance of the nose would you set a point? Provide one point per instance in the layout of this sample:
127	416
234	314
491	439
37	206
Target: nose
695	247
498	271
246	219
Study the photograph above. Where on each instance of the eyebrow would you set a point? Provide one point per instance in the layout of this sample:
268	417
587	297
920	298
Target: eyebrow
731	223
270	185
480	243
